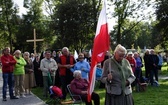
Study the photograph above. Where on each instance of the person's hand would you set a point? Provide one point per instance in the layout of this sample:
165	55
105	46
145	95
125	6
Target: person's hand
132	65
109	77
127	83
82	69
84	92
68	66
71	66
51	70
30	70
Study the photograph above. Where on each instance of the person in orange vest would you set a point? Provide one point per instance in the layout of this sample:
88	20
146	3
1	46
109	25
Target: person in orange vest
65	62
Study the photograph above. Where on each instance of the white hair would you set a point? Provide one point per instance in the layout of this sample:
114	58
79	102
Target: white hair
26	53
147	51
17	51
65	48
76	73
120	49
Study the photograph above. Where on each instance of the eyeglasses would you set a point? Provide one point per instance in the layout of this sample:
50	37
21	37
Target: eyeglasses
123	55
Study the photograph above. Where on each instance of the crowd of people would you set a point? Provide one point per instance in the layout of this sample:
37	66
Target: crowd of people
117	74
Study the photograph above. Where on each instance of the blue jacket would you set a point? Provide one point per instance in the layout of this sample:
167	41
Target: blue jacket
84	67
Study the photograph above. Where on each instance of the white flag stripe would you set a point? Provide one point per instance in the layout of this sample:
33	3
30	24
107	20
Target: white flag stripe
93	80
75	55
102	19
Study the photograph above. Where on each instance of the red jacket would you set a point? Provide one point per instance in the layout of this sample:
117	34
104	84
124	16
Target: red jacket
8	63
132	62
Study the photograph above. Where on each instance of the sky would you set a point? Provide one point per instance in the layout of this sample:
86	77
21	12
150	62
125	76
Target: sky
22	10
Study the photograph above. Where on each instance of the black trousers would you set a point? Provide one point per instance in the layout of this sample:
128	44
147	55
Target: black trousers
153	72
65	80
95	97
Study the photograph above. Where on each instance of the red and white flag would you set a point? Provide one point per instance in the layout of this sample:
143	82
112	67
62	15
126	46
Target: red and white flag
100	46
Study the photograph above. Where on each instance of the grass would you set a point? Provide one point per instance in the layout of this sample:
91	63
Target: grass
152	96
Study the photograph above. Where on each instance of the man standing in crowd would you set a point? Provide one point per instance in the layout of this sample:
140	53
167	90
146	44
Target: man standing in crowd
65	62
48	67
147	63
154	70
8	63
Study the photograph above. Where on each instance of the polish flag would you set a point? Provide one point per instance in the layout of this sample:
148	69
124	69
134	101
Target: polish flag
100	46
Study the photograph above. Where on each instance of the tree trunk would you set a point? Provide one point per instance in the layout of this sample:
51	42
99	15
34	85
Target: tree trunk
119	34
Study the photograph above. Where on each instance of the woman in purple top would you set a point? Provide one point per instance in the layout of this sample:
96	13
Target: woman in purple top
138	70
79	86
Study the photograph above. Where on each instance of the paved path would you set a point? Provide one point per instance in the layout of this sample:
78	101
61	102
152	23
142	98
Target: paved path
28	100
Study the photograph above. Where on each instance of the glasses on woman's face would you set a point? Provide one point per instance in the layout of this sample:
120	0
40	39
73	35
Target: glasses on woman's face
81	58
121	55
17	54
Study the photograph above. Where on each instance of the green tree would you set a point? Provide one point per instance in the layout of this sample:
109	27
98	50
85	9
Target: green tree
162	18
34	19
8	22
139	35
75	24
125	9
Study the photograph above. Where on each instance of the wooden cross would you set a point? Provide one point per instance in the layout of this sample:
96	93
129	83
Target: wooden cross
34	40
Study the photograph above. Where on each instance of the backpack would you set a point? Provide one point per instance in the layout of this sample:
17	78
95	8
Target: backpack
141	84
57	91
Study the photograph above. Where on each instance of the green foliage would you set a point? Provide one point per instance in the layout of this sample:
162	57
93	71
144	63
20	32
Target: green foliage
34	19
162	17
8	22
75	24
125	9
133	33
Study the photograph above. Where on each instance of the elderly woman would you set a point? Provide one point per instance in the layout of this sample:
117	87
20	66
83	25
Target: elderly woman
19	74
29	73
118	76
79	86
132	61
